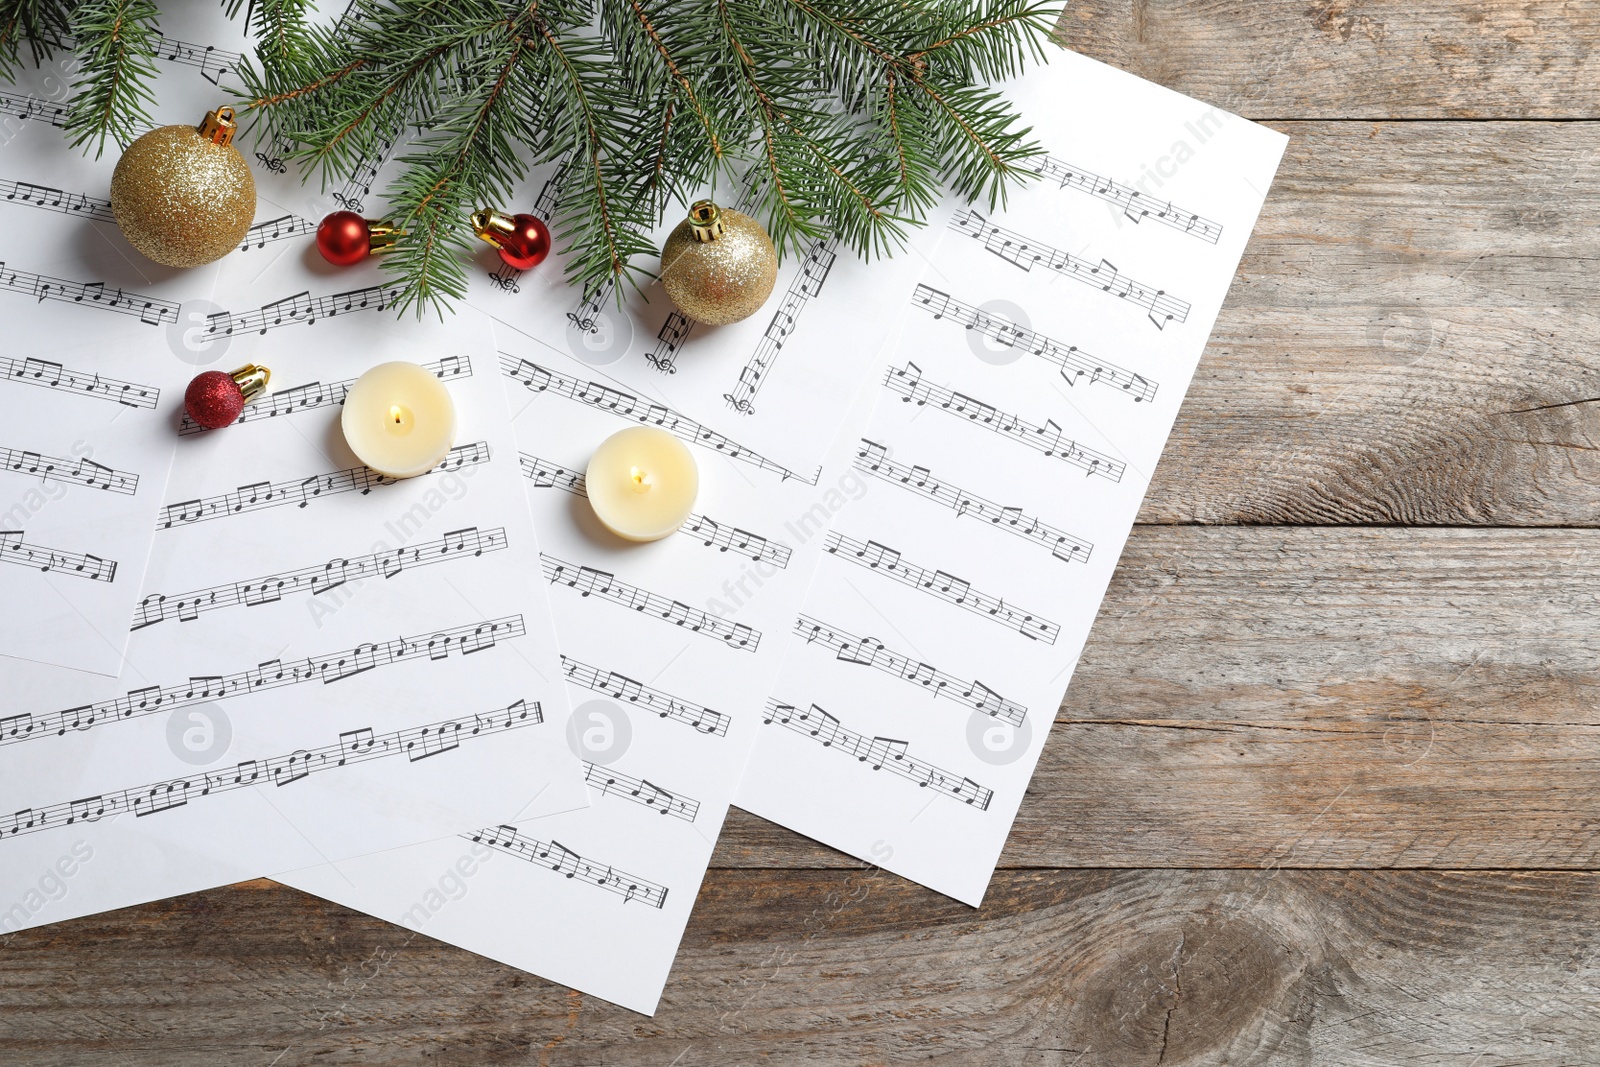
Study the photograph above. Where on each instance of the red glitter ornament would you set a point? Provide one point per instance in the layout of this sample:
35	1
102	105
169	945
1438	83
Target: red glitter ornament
345	238
523	241
214	399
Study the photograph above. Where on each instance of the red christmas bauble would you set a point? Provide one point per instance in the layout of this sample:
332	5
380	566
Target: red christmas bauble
525	246
213	399
344	239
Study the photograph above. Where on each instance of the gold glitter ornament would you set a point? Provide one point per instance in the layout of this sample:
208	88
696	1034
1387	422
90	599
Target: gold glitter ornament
183	195
718	266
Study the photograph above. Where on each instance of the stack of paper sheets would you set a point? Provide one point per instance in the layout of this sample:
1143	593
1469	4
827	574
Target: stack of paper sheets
455	702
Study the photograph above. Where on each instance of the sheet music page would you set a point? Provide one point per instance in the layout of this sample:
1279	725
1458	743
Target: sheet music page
88	377
668	649
1017	426
771	382
322	661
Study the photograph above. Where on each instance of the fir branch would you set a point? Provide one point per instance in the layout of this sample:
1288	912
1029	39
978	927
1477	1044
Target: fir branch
428	202
584	108
680	80
843	117
44	24
116	40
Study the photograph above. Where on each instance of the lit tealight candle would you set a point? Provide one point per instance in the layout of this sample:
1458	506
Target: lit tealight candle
399	420
642	483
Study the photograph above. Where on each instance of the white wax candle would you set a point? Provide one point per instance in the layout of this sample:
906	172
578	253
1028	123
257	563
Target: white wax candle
399	420
642	483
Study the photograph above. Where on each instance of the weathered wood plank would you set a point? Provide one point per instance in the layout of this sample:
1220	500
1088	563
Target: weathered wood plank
1088	968
1354	58
1328	697
1410	339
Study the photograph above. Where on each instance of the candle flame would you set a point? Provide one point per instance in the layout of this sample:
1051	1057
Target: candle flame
396	414
640	479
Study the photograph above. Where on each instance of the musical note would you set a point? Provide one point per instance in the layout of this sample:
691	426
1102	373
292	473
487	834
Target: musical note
625	405
586	316
674	332
1135	205
1024	253
547	475
871	460
703	719
554	856
1074	363
1046	438
329	668
85	472
281	228
364	172
271	588
303	307
814	270
54	560
53	199
870	652
880	753
300	308
943	586
590	582
613	783
355	746
302	492
315	395
148	309
31	107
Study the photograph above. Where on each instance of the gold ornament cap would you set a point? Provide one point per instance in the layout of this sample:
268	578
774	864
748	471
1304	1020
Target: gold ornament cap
252	380
218	126
491	226
705	221
381	237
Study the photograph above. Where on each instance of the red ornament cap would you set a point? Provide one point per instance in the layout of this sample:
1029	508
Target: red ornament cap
523	241
345	238
214	399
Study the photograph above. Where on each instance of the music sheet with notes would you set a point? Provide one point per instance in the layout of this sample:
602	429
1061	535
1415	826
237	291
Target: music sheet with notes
772	382
1017	426
87	386
669	649
321	661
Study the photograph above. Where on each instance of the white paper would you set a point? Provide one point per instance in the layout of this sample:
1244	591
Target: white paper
88	378
670	648
772	382
323	662
1017	427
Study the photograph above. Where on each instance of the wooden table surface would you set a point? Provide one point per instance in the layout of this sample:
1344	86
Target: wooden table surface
1326	788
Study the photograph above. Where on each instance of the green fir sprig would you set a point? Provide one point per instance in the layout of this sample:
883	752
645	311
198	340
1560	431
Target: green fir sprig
841	117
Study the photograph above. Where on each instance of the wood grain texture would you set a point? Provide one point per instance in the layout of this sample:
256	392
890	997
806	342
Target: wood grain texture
1327	697
1345	59
1087	968
1410	338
